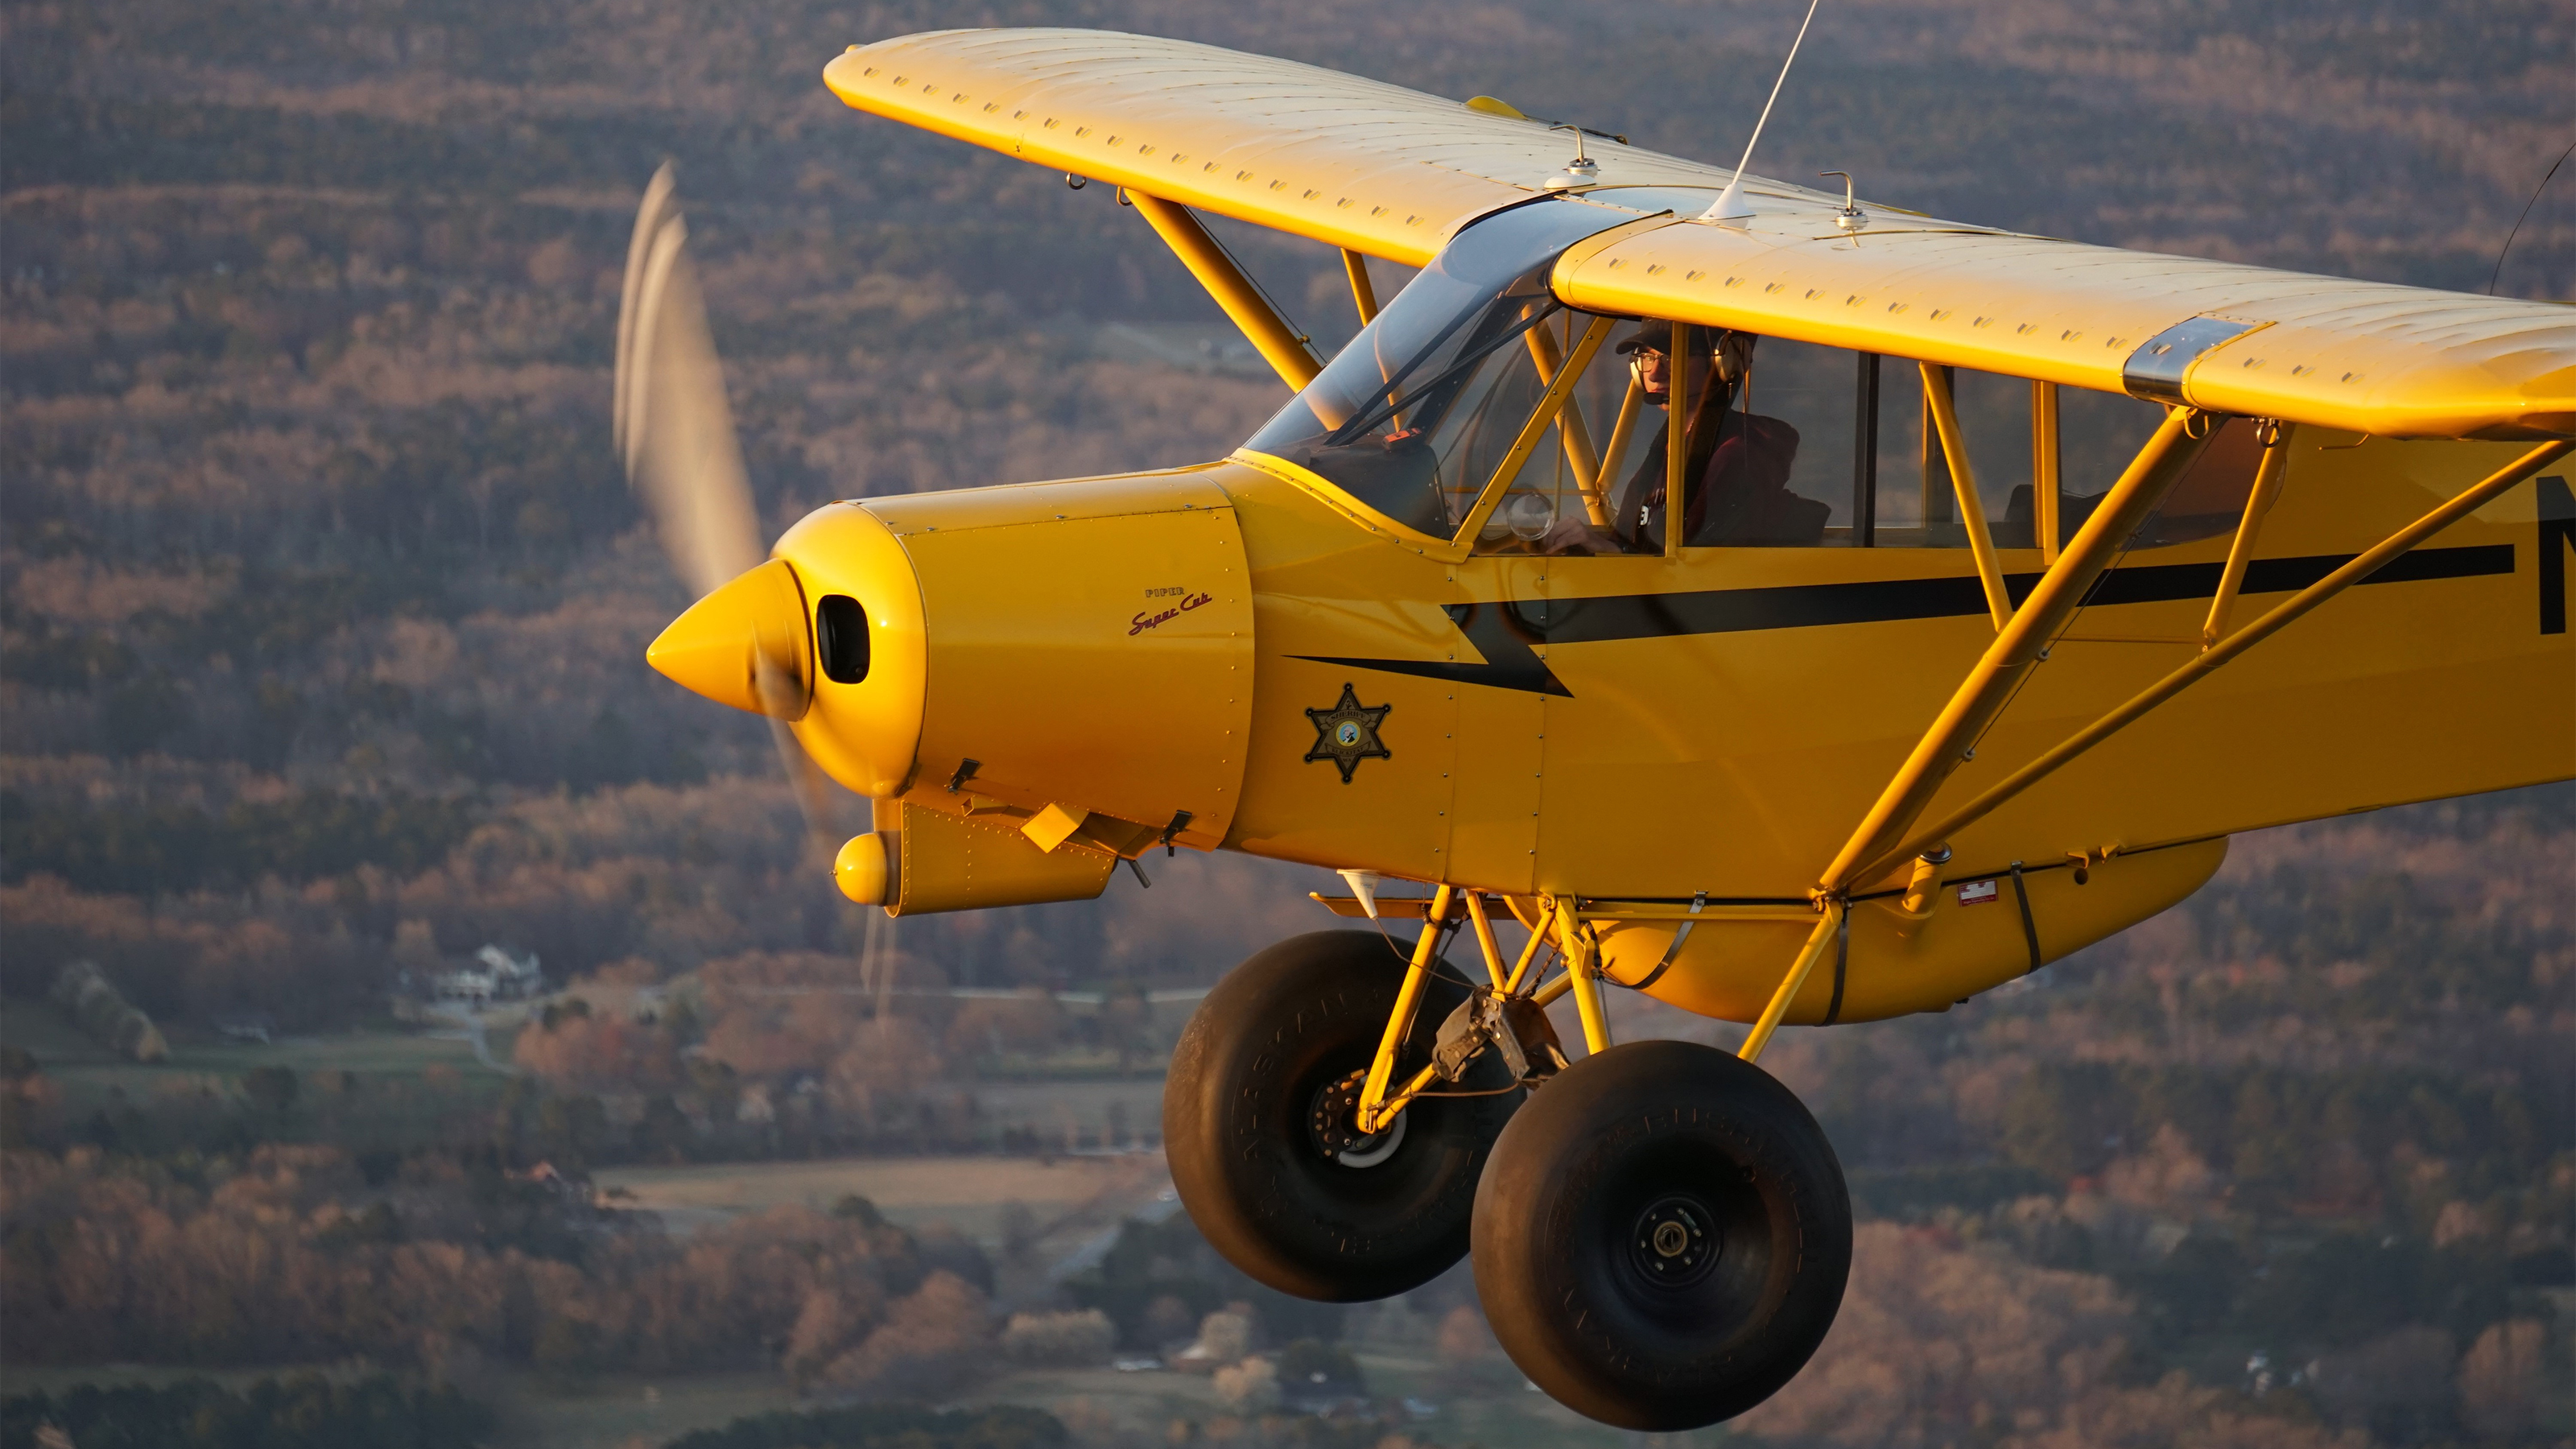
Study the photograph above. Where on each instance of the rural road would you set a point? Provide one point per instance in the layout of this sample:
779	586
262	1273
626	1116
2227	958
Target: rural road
470	1026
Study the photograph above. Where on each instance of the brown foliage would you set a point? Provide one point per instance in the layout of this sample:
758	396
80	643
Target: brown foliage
1465	1338
773	1015
1934	1339
600	1054
2502	1383
1030	1022
263	1266
2171	1414
928	1345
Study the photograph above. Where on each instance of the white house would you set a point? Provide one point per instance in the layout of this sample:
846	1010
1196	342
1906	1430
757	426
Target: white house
497	975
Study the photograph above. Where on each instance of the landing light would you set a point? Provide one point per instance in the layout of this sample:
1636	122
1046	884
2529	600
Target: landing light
863	869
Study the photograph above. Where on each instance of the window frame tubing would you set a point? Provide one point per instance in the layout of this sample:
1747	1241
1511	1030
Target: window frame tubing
1864	524
1614	453
1943	409
1550	403
1574	434
2047	471
1677	449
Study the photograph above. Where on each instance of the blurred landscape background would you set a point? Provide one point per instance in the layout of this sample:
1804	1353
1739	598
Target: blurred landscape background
322	611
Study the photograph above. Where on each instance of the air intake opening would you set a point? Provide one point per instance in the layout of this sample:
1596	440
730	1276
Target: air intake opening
841	637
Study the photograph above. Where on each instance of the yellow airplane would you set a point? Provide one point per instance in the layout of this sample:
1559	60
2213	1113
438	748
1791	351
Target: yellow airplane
1825	742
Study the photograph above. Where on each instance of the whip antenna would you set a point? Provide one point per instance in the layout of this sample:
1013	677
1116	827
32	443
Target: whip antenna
1730	204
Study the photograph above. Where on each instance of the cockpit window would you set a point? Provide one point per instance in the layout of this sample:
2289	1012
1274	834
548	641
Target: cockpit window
1415	415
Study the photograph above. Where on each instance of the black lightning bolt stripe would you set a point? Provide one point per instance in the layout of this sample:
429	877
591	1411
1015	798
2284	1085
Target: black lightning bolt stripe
1506	635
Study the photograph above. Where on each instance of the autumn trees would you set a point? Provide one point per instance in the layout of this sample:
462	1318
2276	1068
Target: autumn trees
290	1257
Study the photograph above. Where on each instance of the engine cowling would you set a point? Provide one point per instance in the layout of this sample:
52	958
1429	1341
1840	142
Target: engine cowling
1068	661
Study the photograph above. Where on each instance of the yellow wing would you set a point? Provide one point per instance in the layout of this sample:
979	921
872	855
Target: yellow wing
2399	362
1390	172
1356	163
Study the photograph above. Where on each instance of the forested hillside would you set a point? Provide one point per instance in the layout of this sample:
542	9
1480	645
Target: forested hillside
323	603
324	598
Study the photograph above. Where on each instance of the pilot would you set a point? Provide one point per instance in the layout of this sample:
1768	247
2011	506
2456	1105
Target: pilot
1646	349
1739	461
1638	508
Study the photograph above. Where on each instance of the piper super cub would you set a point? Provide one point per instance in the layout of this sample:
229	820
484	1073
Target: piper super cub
1730	582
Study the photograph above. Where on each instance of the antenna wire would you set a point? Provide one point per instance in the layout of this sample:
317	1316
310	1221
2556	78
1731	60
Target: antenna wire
2496	275
1715	213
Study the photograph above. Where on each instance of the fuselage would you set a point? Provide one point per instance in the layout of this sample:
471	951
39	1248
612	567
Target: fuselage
1638	728
1250	655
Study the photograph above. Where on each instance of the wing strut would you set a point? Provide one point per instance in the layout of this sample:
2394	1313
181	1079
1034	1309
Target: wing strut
2281	616
2060	590
1363	291
2267	486
1284	347
2052	601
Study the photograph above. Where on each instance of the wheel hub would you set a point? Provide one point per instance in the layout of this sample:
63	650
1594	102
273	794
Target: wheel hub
1334	1123
1675	1242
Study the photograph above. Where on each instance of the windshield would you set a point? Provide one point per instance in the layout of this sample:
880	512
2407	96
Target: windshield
1415	415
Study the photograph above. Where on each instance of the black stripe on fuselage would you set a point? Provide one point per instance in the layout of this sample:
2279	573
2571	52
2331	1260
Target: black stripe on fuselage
1507	633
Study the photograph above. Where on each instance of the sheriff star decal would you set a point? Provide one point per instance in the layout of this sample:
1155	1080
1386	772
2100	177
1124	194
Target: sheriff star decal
1347	733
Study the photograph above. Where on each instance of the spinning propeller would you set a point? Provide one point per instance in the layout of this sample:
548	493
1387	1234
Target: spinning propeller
674	433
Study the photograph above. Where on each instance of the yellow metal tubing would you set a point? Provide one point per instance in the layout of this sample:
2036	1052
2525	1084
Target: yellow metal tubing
2281	616
1527	443
1554	991
2267	486
1485	941
1963	482
1981	696
1363	292
1597	502
2045	485
1817	941
1704	915
1923	887
1582	967
1520	968
1676	438
1282	346
1403	1096
1408	999
1573	433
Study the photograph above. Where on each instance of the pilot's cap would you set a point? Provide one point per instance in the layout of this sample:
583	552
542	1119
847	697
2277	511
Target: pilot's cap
1654	336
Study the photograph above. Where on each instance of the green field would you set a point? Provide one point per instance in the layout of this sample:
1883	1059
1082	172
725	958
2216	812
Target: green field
609	1412
430	1070
968	1193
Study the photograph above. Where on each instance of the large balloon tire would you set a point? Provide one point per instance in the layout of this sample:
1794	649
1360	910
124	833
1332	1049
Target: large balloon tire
1662	1237
1239	1131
